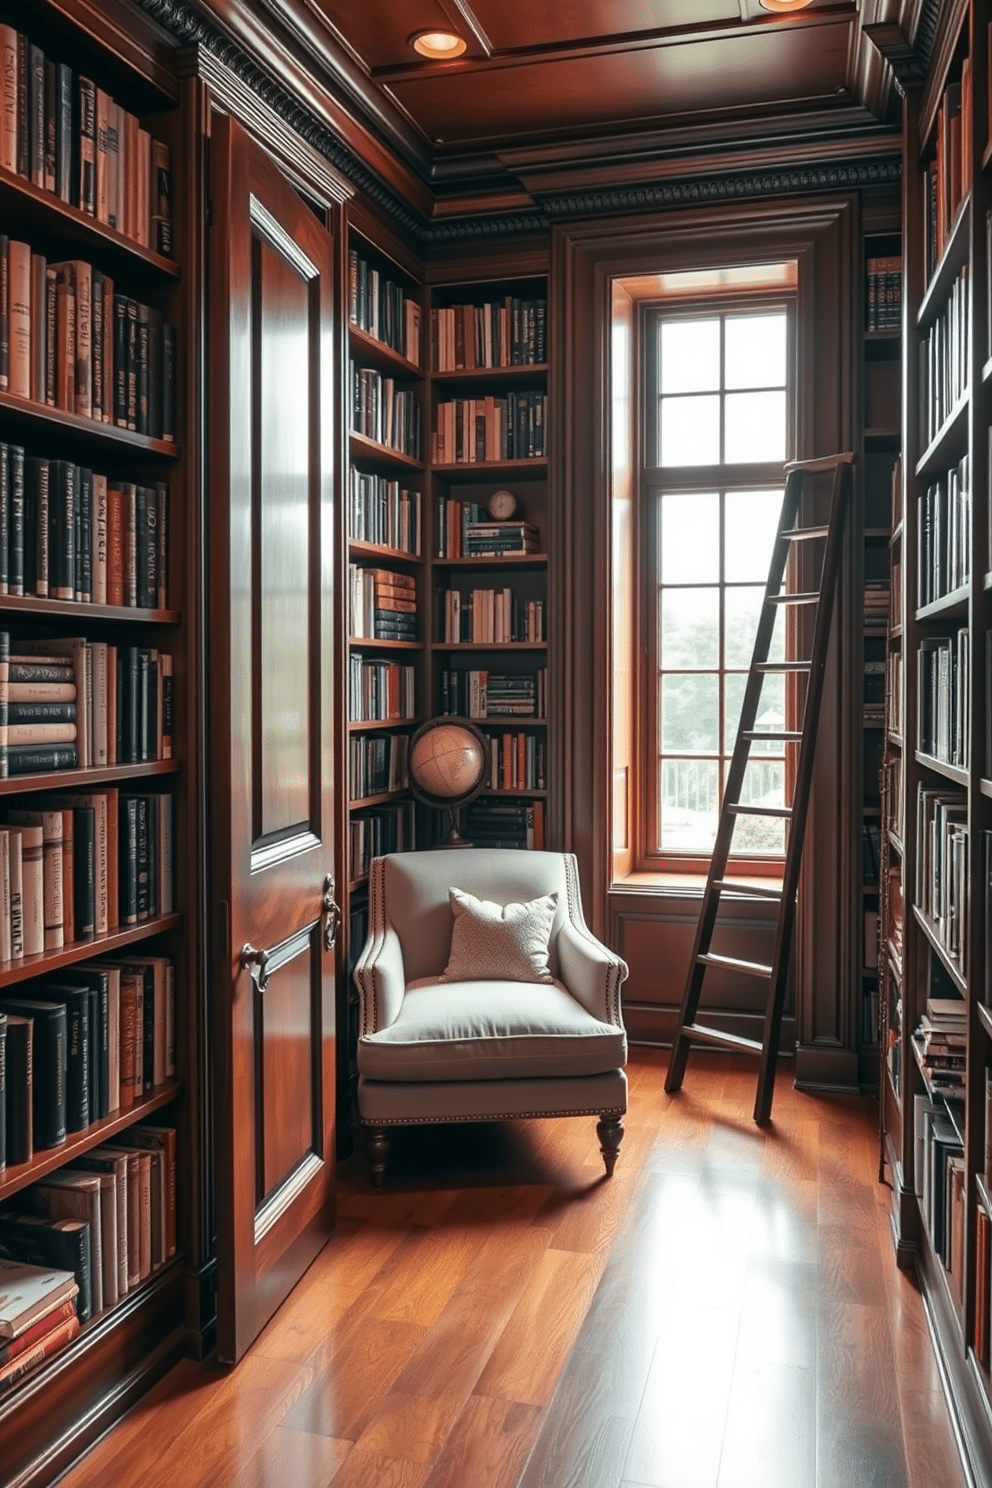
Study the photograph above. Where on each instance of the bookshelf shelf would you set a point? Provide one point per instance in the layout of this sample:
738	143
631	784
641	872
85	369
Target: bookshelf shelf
67	609
501	646
372	352
33	419
383	799
13	972
951	606
489	470
15	1178
369	643
363	725
526	374
44	218
957	773
501	561
357	549
948	962
81	780
952	260
948	444
365	449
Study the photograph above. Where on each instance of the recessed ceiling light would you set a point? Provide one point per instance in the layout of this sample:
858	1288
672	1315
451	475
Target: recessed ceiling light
784	5
438	46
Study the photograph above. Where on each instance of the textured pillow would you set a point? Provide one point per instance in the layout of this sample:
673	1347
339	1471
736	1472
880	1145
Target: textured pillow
499	942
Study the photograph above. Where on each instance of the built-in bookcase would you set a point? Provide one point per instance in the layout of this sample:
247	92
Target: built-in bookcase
938	798
489	539
93	586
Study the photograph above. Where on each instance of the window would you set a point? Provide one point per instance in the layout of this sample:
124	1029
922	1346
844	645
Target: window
718	428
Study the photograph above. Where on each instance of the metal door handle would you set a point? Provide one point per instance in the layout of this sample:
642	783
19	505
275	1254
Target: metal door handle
333	921
257	962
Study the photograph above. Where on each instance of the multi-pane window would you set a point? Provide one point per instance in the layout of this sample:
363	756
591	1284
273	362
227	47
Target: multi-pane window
718	434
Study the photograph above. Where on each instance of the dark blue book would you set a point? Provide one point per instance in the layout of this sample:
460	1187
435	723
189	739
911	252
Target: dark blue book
50	1066
78	1093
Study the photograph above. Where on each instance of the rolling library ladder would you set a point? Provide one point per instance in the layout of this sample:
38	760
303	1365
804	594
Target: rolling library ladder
790	533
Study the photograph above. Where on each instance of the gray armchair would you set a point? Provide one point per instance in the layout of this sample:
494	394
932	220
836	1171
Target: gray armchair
437	1048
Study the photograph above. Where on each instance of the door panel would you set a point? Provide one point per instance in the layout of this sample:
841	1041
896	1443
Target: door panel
271	730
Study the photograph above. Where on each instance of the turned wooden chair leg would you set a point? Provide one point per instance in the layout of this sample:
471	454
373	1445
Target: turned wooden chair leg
609	1130
378	1145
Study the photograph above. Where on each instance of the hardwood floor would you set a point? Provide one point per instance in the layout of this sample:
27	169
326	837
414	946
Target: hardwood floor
724	1313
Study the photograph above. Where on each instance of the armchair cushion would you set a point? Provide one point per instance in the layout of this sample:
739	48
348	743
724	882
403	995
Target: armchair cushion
499	942
485	1030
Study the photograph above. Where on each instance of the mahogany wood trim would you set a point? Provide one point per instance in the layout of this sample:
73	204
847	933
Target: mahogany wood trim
131	48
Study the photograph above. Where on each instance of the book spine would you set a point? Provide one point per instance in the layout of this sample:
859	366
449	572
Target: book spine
19	318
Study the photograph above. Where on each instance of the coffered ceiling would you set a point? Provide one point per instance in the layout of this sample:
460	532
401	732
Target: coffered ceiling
537	71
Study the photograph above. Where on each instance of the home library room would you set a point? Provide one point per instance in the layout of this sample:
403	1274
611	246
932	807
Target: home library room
93	640
937	1043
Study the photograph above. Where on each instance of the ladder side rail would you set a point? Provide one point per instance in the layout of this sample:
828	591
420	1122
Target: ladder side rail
839	502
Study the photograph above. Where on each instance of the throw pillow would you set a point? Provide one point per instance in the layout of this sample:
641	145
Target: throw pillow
499	942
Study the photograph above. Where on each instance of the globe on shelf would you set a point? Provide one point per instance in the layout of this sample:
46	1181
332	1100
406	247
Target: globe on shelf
449	765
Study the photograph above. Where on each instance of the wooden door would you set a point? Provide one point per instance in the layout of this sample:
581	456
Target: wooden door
272	714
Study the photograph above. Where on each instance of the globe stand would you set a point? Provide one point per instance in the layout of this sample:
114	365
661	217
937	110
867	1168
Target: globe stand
454	837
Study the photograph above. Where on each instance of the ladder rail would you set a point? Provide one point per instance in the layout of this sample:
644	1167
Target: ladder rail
797	471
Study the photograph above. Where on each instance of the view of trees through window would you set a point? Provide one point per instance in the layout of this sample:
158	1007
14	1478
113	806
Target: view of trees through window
720	436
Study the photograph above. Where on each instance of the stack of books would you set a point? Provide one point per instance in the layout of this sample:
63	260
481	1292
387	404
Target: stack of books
383	604
482	694
488	539
941	1041
517	824
38	1317
884	293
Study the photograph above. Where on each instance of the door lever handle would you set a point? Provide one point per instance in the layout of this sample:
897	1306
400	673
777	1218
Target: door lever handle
257	962
333	921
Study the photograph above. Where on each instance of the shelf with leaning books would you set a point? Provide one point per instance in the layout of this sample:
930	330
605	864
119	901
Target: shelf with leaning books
365	448
385	315
32	420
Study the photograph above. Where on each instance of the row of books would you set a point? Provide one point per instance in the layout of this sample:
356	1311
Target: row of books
383	309
489	617
944	706
75	865
377	763
384	412
70	702
893	686
942	865
67	532
464	529
108	1218
82	1045
382	511
387	829
941	1182
479	693
950	169
511	332
68	137
382	604
511	426
495	823
944	359
517	761
70	340
38	1315
883	292
380	691
894	929
944	552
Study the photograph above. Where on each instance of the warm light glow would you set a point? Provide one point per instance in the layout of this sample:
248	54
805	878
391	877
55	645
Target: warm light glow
439	46
784	4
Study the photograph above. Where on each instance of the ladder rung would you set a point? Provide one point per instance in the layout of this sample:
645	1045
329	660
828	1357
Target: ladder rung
787	734
716	1036
804	534
738	886
736	809
782	666
731	963
796	599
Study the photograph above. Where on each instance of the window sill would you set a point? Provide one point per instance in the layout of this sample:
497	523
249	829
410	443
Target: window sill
679	883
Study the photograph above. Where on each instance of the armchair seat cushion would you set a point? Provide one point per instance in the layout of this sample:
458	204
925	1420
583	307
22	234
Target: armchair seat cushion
490	1030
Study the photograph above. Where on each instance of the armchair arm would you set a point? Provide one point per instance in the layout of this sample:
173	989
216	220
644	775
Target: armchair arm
380	979
593	974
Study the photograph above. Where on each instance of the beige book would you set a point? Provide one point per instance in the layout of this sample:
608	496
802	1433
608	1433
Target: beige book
143	179
77	275
41	733
32	888
98	526
49	825
112	1161
98	801
15	865
19	331
5	945
8	98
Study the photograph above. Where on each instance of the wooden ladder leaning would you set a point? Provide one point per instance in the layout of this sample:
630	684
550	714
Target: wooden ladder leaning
799	472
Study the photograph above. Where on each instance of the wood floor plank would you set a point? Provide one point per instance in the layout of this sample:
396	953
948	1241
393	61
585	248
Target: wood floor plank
488	1445
536	1342
293	1459
344	1394
770	1434
362	1470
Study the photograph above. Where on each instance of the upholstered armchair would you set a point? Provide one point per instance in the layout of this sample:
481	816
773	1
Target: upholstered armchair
492	1002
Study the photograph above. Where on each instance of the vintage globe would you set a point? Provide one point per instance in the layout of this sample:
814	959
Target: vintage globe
448	761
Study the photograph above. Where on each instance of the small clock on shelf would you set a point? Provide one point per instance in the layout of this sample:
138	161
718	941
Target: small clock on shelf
502	505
